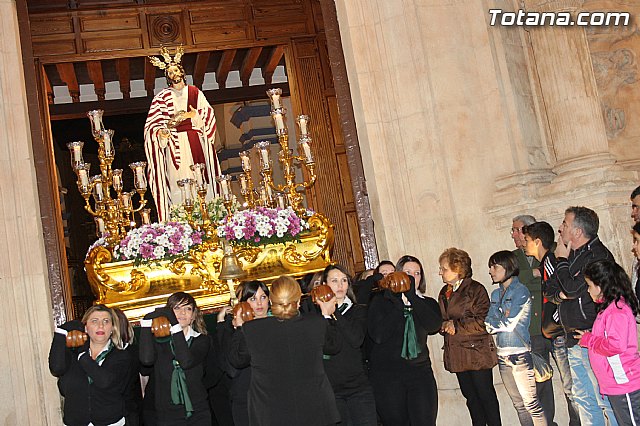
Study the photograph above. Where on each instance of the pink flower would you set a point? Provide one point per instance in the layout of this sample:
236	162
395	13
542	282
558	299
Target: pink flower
146	251
196	237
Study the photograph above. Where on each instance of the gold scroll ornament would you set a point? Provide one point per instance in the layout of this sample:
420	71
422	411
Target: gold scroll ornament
138	289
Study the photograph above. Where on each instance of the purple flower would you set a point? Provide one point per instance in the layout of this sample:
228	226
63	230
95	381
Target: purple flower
146	251
196	237
175	239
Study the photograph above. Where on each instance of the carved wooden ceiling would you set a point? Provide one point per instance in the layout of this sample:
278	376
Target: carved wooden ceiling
94	51
224	76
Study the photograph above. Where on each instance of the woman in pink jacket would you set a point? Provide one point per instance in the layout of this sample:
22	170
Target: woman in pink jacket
613	340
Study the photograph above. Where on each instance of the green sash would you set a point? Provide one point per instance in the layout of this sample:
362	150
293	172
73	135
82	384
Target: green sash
410	347
101	356
179	391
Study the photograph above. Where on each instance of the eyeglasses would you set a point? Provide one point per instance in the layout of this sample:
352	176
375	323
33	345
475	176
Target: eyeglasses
516	230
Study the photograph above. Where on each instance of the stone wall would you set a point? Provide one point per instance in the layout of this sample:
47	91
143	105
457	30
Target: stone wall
462	126
28	394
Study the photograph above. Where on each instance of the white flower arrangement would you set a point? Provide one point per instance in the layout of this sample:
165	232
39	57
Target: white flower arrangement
156	242
262	226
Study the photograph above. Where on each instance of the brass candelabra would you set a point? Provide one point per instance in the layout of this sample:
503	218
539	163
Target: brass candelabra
269	193
112	209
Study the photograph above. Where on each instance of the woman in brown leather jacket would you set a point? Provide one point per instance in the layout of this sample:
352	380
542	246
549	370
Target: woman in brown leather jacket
469	351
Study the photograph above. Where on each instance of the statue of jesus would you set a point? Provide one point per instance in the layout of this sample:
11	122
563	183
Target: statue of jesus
179	132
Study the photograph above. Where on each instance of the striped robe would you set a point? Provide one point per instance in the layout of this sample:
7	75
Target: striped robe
170	160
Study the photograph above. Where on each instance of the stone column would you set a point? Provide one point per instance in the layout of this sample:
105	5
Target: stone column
28	394
585	170
568	84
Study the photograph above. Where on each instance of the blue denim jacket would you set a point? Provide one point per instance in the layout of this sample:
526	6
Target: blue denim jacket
510	310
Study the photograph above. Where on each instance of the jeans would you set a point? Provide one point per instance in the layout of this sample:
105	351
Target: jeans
519	381
594	410
542	346
561	357
482	402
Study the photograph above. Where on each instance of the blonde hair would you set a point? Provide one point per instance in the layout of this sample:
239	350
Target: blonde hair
126	330
115	323
285	297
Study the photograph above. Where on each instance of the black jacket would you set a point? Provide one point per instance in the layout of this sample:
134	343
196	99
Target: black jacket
288	382
386	324
101	402
577	312
346	368
191	359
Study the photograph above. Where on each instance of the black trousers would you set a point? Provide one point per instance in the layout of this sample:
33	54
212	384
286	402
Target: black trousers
482	401
220	403
407	398
357	407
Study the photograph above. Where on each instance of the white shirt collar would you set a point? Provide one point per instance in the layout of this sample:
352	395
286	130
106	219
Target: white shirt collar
349	303
192	333
457	284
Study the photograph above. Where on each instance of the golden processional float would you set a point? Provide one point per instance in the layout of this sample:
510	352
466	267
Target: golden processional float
208	246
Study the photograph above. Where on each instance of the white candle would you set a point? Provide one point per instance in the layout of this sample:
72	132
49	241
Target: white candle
117	180
302	122
279	121
281	200
274	94
95	117
100	226
139	179
269	191
198	174
264	153
98	191
126	200
197	171
83	176
106	140
225	187
246	161
96	124
243	183
77	153
145	216
307	152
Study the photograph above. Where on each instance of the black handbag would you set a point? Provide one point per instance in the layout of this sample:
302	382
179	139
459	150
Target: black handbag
541	368
550	323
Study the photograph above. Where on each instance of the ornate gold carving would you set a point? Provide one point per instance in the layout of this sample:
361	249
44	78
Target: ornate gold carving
136	289
249	254
323	240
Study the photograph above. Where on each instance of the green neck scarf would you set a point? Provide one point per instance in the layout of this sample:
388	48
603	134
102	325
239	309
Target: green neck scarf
410	347
179	391
101	356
